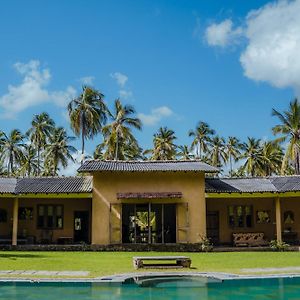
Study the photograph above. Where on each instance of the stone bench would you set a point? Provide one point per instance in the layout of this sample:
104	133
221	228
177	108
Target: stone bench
161	262
249	239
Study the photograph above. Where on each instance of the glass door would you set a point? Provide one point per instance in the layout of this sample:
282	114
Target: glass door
149	223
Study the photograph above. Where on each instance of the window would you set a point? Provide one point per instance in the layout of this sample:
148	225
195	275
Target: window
240	216
25	213
3	216
50	216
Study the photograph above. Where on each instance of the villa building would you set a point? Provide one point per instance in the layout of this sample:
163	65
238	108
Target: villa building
155	202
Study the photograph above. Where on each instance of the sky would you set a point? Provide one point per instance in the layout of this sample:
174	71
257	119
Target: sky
227	63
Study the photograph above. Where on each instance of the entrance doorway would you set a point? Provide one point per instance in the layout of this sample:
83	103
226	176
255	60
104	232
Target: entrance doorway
81	226
148	223
212	226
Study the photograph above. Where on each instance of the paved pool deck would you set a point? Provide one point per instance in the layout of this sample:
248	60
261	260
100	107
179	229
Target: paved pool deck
81	276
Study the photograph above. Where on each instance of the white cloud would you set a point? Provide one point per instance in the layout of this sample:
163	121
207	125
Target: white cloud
120	78
272	53
156	115
221	34
272	35
87	80
125	94
32	90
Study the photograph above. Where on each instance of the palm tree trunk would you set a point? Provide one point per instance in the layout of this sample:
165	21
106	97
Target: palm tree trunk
82	139
117	148
38	162
230	161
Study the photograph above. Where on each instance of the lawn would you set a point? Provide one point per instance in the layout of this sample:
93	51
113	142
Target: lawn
107	263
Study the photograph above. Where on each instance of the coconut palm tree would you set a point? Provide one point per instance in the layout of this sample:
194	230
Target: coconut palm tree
184	153
232	149
163	145
217	152
41	128
58	151
201	138
270	158
289	129
30	163
251	152
11	148
118	134
87	113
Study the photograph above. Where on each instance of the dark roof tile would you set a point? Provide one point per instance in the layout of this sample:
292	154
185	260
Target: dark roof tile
46	185
146	166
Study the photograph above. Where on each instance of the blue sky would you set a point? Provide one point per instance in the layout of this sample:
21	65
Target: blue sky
178	62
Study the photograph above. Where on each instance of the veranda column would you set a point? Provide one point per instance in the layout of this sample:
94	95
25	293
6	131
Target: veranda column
15	222
278	220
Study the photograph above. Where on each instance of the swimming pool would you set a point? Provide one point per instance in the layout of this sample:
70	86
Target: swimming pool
174	288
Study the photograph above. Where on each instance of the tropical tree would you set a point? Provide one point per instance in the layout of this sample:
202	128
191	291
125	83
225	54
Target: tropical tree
87	113
118	136
41	128
163	145
217	153
289	129
58	151
270	158
30	163
201	138
232	150
11	148
251	154
184	153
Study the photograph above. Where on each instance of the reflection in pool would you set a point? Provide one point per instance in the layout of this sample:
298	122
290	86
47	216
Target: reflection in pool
156	288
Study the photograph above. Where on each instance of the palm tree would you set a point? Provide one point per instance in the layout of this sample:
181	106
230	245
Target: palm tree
202	136
217	151
41	128
29	162
289	129
11	148
118	134
270	158
184	153
58	151
251	151
232	149
163	145
87	113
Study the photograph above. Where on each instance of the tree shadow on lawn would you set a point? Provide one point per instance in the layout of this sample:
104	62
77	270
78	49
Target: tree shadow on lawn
15	256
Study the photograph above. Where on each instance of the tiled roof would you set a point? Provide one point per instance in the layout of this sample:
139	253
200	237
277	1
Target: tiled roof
46	185
252	185
146	166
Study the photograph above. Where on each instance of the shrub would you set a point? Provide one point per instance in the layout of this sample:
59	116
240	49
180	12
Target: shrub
278	246
205	244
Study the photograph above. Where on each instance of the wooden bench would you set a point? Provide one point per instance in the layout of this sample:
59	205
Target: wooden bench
249	239
162	262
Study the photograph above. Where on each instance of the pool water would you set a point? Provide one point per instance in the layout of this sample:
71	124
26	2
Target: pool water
180	288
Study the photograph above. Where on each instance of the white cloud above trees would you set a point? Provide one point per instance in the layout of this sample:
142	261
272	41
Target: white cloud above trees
272	43
156	115
32	90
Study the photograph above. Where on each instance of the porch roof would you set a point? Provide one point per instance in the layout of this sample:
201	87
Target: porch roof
149	195
46	185
147	166
276	184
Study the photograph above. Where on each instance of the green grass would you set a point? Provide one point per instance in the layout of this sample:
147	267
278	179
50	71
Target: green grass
108	263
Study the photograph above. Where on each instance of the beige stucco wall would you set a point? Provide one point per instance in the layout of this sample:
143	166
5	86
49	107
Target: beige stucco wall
106	185
225	231
30	226
292	204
